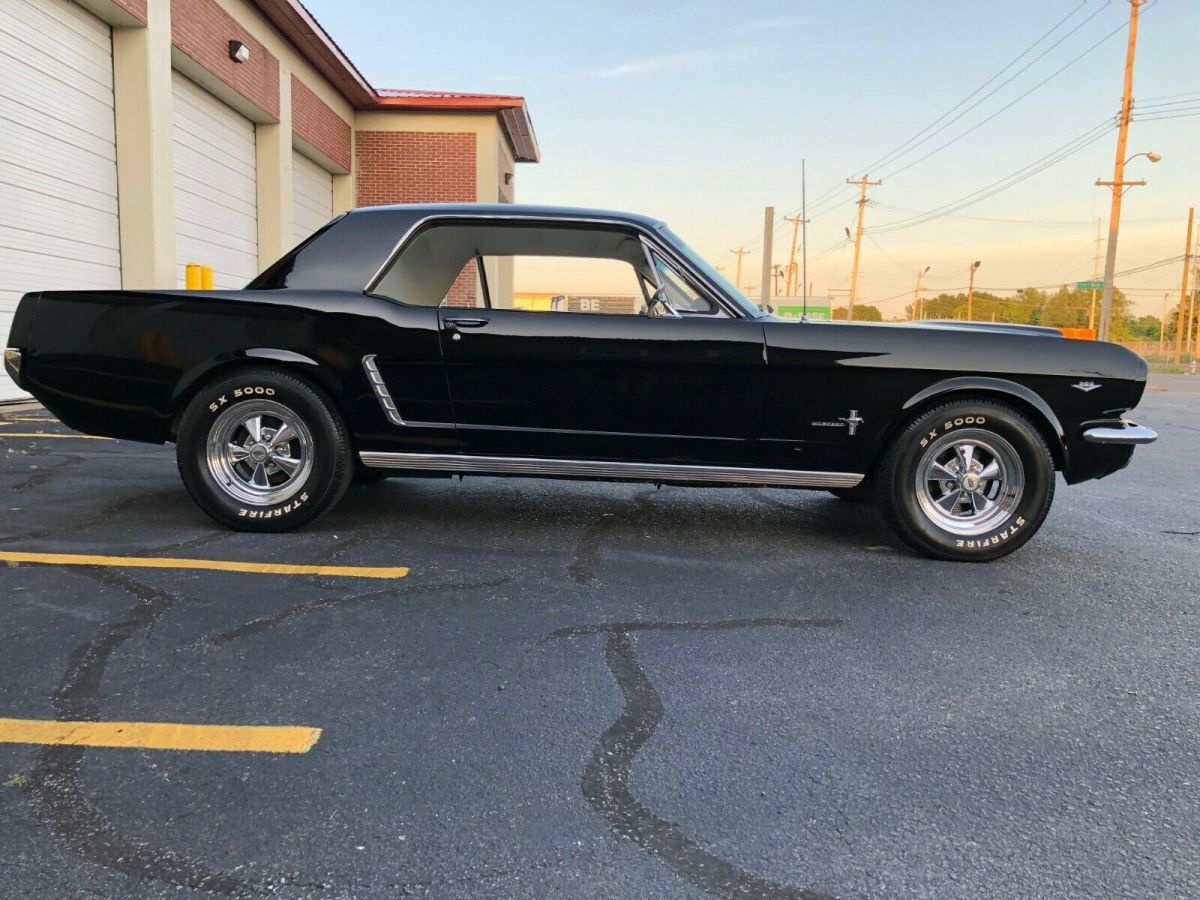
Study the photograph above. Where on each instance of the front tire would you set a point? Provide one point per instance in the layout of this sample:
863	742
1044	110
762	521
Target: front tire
971	480
261	450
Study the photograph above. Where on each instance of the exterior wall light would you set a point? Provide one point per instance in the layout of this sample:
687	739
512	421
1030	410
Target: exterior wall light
238	51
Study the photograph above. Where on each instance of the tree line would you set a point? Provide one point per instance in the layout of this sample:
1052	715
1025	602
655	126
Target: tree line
1068	307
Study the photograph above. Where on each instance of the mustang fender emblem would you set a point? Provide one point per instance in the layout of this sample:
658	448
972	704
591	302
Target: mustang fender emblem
853	421
1085	386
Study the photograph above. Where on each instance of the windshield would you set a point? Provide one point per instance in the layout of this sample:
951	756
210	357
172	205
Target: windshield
712	274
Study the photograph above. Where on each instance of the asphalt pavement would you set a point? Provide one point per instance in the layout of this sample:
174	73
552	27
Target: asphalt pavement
602	690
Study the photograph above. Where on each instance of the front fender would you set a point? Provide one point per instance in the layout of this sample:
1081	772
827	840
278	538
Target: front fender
1046	420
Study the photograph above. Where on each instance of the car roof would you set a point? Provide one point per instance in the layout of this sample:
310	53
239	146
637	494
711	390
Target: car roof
510	209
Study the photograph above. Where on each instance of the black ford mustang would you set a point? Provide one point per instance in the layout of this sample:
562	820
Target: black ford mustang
391	342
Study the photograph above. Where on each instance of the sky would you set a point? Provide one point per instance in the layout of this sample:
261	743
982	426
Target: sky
700	113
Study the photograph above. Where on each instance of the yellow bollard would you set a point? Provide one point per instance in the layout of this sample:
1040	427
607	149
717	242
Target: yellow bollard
206	278
191	276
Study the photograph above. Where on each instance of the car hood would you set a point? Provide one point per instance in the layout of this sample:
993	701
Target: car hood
947	325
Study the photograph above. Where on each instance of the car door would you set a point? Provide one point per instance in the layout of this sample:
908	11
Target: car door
617	358
685	389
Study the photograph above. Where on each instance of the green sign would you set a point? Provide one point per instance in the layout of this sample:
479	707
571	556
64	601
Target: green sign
815	311
1090	285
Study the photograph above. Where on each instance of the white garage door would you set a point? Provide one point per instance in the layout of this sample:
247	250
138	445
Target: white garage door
216	202
312	196
58	169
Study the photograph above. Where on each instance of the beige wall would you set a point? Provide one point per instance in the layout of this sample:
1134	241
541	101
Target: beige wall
145	162
142	62
143	58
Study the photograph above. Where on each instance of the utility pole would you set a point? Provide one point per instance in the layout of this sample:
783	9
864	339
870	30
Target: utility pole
1189	325
917	294
1162	324
1118	183
863	184
768	240
1095	277
971	289
1187	262
739	253
792	280
1195	280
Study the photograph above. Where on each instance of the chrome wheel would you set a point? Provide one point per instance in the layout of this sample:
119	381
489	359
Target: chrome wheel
259	452
970	482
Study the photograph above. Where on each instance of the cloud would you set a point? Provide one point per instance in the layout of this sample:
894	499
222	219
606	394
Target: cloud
666	63
774	23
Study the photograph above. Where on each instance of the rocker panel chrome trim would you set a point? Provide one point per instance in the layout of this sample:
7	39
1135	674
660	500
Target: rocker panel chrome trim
515	465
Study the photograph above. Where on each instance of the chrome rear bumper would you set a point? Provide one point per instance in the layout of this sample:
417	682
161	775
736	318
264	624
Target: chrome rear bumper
1125	433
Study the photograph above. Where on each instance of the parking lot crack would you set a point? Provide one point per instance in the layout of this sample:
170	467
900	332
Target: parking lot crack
41	474
53	787
606	781
283	617
590	548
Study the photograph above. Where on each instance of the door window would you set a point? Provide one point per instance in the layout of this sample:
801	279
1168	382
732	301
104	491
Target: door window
677	292
538	268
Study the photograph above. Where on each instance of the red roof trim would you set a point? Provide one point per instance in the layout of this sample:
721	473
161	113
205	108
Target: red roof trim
300	27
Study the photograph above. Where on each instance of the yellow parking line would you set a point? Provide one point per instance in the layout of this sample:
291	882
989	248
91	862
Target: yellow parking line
45	434
162	735
219	565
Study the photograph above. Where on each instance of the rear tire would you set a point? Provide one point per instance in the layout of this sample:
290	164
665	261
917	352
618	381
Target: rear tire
261	450
971	480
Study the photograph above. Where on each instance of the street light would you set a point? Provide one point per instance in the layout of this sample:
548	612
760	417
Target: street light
971	289
1118	186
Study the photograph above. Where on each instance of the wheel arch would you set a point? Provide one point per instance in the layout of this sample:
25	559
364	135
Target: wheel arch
296	364
1020	397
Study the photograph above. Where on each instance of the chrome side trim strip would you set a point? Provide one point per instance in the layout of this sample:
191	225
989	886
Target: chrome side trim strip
1125	433
381	391
517	465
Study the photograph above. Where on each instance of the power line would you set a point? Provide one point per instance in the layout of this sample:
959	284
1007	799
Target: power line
904	267
1008	105
990	190
821	205
890	155
1060	70
1162	106
1182	115
825	201
1002	85
1170	96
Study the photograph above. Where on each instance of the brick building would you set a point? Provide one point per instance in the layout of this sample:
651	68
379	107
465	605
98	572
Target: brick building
140	135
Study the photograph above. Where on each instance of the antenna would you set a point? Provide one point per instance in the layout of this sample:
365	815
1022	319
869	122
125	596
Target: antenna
804	243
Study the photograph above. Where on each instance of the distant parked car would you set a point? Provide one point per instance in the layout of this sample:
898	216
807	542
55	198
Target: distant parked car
383	345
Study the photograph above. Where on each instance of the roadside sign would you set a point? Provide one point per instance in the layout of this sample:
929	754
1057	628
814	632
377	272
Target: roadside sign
815	311
1089	285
